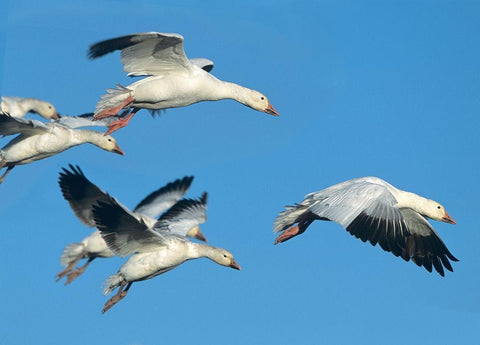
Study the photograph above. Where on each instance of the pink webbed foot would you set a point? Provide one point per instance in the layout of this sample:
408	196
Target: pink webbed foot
114	110
116	125
288	234
117	298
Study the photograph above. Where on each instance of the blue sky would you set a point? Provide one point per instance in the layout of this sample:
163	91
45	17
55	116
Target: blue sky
386	88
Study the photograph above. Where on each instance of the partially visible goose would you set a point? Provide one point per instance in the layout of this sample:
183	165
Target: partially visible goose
19	107
82	194
154	252
173	81
38	140
374	210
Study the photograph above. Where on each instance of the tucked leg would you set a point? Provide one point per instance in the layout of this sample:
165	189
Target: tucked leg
114	110
73	274
118	297
6	173
116	125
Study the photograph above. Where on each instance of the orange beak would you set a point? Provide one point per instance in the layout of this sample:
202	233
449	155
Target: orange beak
270	110
118	150
447	219
234	264
56	116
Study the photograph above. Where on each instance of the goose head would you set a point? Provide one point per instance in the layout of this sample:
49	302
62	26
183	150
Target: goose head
224	257
259	102
436	211
196	233
108	143
45	109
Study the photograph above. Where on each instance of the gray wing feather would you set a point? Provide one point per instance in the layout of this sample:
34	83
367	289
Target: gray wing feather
80	193
13	125
87	120
183	216
149	53
163	198
123	232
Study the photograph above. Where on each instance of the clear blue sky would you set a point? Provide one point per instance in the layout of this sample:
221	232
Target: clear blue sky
388	88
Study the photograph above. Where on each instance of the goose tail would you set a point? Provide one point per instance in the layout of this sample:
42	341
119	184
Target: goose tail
112	282
113	98
288	217
71	253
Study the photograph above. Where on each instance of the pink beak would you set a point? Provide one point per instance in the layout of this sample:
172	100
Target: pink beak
234	264
118	150
447	219
270	110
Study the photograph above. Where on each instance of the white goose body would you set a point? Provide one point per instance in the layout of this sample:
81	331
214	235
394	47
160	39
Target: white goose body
375	211
25	149
38	140
173	80
154	250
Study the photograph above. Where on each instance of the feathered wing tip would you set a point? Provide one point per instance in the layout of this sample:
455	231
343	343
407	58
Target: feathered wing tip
112	282
71	253
113	98
288	217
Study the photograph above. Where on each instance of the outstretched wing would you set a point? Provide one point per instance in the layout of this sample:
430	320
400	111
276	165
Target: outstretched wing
13	125
123	232
183	216
80	193
87	120
148	53
163	198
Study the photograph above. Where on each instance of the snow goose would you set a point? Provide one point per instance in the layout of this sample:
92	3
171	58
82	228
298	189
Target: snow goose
19	107
173	81
154	252
38	140
372	209
82	194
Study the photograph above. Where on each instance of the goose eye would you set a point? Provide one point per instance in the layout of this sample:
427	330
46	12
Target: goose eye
438	207
262	98
109	139
224	255
49	107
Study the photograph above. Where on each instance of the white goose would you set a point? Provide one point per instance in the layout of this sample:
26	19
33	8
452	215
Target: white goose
173	81
38	140
372	209
156	250
19	107
82	194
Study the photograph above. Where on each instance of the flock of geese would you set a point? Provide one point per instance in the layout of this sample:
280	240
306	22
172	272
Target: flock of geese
156	232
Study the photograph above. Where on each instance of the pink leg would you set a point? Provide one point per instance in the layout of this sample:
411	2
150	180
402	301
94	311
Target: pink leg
73	274
118	297
6	173
288	234
116	125
114	110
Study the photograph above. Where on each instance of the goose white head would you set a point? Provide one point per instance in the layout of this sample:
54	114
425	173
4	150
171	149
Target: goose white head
436	211
44	109
108	143
260	102
196	233
223	257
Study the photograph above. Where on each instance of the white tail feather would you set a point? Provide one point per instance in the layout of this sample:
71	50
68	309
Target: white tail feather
112	282
288	217
71	253
113	98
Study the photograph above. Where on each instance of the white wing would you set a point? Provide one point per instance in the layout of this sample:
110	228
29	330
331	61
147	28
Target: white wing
123	232
87	120
183	216
149	53
13	125
163	198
